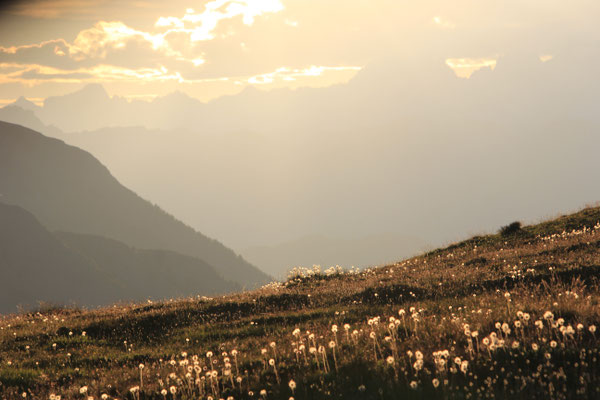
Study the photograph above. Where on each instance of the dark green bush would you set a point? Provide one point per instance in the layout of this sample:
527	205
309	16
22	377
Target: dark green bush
510	229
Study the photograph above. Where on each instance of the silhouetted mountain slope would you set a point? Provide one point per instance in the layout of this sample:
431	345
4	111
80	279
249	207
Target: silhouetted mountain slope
16	114
157	274
23	112
65	268
67	189
35	266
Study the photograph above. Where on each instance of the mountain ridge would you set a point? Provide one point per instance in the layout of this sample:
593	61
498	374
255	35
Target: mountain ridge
150	273
67	189
36	266
64	269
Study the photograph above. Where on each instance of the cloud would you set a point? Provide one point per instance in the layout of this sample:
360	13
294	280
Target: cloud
50	52
189	49
288	74
54	8
174	43
202	26
88	9
97	41
15	49
465	67
112	43
170	22
271	42
33	74
30	75
60	76
105	43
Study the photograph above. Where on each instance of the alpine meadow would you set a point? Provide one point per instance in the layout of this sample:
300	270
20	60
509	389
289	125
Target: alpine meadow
299	200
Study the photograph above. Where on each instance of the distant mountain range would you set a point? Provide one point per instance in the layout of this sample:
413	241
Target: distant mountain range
386	94
92	108
68	190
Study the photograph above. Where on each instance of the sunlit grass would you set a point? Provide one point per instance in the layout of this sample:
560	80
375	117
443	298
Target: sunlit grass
493	317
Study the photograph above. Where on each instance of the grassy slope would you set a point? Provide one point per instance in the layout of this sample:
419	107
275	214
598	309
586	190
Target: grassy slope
553	266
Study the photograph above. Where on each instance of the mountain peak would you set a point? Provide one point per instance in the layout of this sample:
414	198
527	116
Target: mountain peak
176	97
93	89
25	104
93	92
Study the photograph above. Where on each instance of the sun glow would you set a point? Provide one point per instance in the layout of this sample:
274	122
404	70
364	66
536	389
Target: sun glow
266	43
96	41
443	23
172	51
201	26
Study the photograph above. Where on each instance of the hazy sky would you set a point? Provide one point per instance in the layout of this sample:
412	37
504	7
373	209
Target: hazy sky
144	48
453	117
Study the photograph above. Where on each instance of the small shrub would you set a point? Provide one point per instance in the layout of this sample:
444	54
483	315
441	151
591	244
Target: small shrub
476	261
510	229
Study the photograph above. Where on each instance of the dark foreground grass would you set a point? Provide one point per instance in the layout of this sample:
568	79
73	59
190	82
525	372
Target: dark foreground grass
511	315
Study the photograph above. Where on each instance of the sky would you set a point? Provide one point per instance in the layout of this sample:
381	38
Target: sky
142	49
427	118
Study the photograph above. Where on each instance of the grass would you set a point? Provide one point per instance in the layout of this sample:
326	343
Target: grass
497	316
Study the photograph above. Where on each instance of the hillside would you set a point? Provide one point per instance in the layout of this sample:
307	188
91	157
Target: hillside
36	266
155	274
510	315
73	269
21	116
67	189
